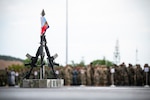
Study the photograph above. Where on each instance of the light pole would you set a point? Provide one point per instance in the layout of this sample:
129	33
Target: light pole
66	32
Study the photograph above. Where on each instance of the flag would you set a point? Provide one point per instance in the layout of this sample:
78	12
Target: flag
44	24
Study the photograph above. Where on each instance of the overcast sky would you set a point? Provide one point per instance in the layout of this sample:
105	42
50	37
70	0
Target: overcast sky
93	28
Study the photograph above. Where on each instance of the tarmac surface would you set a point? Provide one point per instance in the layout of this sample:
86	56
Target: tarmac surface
75	93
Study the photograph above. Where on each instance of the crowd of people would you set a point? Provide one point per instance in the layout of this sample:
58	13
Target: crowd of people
101	75
90	75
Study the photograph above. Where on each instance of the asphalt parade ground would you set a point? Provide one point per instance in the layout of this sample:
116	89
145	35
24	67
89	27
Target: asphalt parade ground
75	93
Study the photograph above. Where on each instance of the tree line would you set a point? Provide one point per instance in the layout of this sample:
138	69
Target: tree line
10	58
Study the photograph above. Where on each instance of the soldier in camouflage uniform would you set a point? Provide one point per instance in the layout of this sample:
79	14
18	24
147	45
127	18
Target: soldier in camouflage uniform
6	77
88	75
121	78
124	75
100	75
92	73
105	74
131	74
75	76
82	75
68	75
138	76
97	76
117	75
109	75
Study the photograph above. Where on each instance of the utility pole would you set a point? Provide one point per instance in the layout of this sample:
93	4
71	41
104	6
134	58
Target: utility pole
66	32
117	53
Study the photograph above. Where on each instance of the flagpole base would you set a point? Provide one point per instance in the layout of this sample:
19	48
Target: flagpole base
43	83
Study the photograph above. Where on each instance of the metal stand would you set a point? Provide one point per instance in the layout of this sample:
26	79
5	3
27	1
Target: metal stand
112	77
146	70
146	80
112	80
40	52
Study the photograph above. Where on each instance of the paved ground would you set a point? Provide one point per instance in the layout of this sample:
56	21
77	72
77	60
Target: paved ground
75	93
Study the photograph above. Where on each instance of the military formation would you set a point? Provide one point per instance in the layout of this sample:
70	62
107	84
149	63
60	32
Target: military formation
99	75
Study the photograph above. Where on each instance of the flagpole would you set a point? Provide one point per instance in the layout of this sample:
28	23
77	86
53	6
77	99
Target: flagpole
66	32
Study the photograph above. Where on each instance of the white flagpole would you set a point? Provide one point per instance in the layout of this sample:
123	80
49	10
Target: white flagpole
66	32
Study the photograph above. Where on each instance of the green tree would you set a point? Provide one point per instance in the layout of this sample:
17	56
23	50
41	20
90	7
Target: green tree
102	62
16	67
81	64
